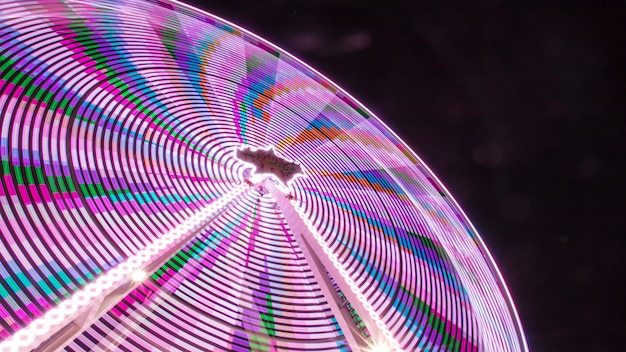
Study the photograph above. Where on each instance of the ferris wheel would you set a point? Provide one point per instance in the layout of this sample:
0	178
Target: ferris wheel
170	181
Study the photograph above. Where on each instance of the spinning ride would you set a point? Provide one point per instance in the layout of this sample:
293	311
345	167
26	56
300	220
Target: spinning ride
171	181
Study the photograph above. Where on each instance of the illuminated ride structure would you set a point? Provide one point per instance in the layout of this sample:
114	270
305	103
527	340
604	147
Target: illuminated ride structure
171	181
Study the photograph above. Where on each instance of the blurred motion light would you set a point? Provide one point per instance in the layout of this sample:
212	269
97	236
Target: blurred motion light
120	126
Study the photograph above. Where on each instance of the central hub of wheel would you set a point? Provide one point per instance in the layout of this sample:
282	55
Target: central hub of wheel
266	162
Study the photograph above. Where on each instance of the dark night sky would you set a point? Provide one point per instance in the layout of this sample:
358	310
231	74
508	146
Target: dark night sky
516	107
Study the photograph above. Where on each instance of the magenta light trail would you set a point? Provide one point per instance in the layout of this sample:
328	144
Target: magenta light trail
123	125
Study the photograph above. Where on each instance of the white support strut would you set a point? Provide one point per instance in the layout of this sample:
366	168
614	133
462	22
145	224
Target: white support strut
319	261
61	324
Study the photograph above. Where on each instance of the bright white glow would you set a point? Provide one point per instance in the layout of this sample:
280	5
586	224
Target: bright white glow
379	347
139	275
130	269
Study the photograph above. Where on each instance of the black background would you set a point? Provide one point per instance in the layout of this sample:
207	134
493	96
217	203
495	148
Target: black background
519	108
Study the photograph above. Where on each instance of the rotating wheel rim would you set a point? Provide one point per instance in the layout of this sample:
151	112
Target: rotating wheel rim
120	122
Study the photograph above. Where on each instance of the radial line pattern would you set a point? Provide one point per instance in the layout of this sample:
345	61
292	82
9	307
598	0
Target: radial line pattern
120	120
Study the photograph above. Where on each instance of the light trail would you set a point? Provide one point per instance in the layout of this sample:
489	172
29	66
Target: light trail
61	324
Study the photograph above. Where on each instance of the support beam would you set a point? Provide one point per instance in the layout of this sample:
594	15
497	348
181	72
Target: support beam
61	324
102	304
319	262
